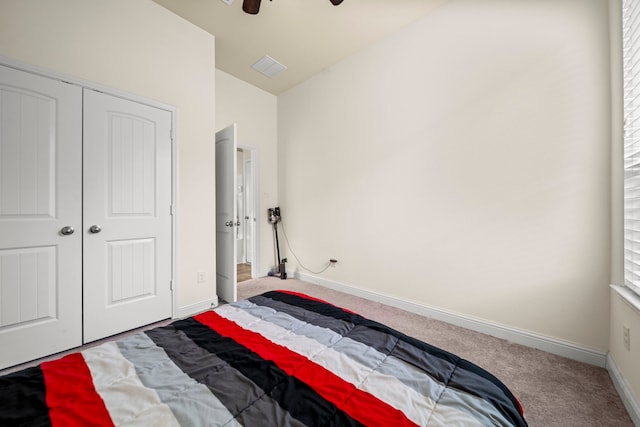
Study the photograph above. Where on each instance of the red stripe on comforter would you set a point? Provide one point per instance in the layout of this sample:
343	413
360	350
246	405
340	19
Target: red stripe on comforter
360	405
71	396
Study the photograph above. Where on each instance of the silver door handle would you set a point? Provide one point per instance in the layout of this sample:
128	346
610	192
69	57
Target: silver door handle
229	223
95	229
67	230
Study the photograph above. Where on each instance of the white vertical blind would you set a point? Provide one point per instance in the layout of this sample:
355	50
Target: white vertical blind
631	69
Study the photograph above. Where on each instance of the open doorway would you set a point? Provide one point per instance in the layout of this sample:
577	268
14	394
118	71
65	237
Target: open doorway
235	215
246	202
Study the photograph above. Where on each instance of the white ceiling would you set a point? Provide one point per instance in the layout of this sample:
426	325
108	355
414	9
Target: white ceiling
304	35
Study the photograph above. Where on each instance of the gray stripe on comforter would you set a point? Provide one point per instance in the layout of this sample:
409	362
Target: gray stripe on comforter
252	408
365	349
191	403
341	327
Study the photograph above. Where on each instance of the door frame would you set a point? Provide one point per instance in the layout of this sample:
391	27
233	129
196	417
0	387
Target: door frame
255	182
77	81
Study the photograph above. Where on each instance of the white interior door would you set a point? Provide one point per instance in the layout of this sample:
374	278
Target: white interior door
127	196
226	214
40	195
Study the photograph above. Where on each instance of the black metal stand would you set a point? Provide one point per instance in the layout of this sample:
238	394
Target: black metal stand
274	218
282	270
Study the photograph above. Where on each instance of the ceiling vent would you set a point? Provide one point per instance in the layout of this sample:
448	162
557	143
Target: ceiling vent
268	66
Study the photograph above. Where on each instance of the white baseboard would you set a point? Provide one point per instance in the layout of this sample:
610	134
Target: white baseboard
529	339
628	399
198	307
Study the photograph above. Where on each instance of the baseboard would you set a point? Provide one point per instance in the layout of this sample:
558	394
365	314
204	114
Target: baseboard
198	307
529	339
628	399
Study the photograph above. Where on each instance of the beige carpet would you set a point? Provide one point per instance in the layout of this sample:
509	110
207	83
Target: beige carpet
553	390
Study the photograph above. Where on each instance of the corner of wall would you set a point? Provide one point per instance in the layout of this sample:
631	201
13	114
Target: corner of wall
624	353
629	400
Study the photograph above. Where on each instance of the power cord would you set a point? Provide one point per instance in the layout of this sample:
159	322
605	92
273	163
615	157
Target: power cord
296	257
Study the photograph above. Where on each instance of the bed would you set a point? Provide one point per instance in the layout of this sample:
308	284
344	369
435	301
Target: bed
277	359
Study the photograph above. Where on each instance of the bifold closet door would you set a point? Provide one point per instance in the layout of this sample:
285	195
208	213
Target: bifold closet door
40	216
126	215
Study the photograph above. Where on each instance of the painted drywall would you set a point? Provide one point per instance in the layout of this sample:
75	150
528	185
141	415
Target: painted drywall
463	163
623	314
255	113
141	48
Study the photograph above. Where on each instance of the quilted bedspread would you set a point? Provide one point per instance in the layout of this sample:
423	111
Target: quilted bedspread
277	359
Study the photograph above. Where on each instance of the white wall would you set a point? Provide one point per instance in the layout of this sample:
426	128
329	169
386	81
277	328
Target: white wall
623	313
138	47
464	163
255	112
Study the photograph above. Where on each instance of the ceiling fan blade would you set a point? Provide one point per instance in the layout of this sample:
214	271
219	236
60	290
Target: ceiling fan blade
335	2
253	6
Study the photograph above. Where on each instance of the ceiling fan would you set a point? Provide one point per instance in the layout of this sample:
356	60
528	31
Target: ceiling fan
253	6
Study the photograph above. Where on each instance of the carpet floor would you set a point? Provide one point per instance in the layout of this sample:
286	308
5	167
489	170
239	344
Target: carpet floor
554	391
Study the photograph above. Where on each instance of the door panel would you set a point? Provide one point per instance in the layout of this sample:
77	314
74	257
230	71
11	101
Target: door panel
28	285
27	172
131	167
131	269
226	214
40	193
127	181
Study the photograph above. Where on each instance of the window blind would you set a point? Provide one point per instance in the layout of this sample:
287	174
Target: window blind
631	99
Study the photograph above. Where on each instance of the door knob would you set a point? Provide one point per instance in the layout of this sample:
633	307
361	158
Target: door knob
67	230
229	223
95	229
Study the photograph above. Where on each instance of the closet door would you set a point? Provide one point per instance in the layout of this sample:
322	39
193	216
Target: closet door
40	216
127	215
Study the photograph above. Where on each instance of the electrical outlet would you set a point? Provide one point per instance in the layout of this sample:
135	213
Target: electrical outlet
626	337
201	277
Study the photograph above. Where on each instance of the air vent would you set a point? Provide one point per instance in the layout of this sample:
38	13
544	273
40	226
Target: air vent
268	66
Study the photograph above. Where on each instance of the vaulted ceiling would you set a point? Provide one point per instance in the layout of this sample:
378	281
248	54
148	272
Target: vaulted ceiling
306	36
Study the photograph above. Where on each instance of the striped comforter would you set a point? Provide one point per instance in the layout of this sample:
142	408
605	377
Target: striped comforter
278	359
